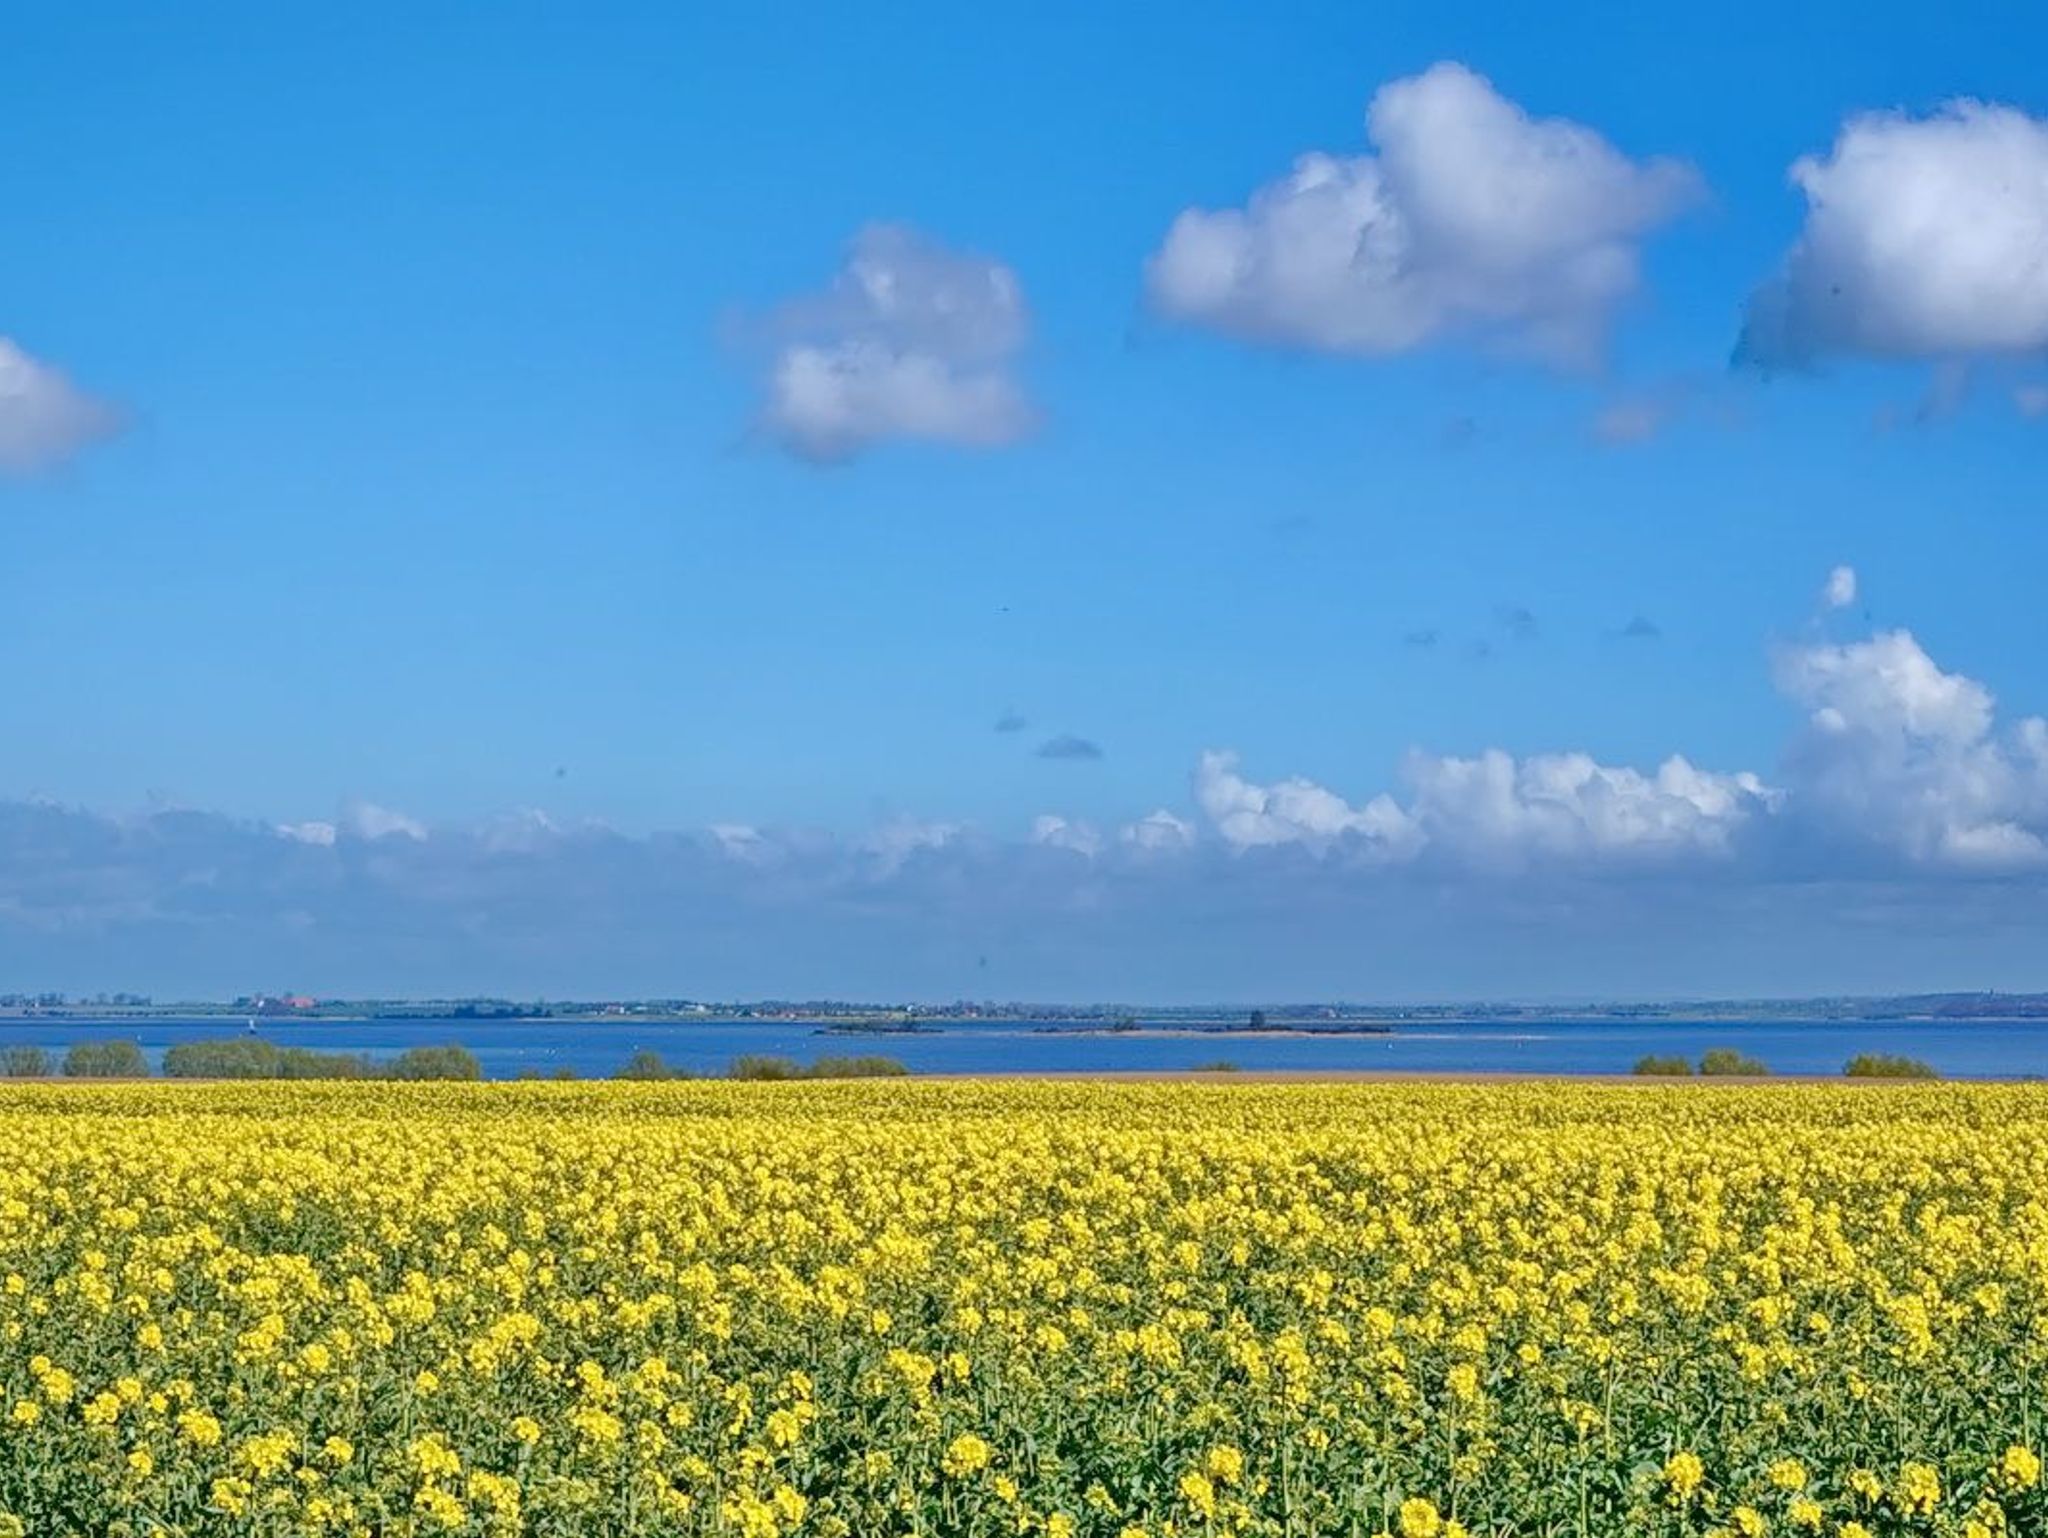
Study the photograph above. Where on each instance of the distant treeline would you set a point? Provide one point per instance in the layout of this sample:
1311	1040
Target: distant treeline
1726	1062
252	1057
235	1057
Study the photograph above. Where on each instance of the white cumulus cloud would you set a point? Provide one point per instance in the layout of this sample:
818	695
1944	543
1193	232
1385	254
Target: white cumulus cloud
44	417
1924	238
1471	218
1900	753
891	844
911	340
1056	832
366	820
1296	811
1497	809
1158	832
1840	589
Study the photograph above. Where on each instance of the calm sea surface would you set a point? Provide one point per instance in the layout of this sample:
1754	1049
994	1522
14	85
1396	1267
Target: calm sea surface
596	1048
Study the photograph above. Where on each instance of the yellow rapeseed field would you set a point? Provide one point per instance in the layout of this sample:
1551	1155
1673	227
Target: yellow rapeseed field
1022	1308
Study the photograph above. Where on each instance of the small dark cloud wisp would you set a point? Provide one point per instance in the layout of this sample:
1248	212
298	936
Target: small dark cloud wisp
1423	640
1067	746
1010	721
1517	621
1641	629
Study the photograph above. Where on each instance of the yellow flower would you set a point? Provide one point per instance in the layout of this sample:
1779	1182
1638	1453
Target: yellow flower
1787	1474
1919	1489
140	1463
966	1454
2019	1468
1683	1474
440	1508
265	1455
1225	1465
1198	1492
1420	1519
199	1428
434	1458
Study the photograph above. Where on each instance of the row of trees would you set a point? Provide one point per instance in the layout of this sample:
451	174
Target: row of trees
1726	1062
235	1057
651	1065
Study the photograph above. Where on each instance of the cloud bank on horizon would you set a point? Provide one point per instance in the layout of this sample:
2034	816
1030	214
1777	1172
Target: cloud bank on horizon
1900	782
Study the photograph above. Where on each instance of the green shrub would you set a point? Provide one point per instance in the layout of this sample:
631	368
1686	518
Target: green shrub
753	1066
305	1063
1885	1065
251	1057
1726	1062
1221	1065
23	1061
105	1060
235	1057
1654	1066
646	1064
855	1068
448	1062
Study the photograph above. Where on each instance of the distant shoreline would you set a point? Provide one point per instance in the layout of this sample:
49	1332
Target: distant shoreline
1165	1024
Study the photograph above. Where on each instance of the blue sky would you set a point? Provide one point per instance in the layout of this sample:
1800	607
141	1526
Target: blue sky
412	440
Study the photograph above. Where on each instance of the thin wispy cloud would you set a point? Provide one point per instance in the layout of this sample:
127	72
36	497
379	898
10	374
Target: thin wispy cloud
44	417
1631	421
912	340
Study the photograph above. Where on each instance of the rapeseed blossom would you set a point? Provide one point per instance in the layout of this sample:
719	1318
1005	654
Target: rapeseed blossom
1022	1310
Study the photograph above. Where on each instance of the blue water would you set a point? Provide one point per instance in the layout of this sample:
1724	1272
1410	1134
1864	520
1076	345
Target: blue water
593	1049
